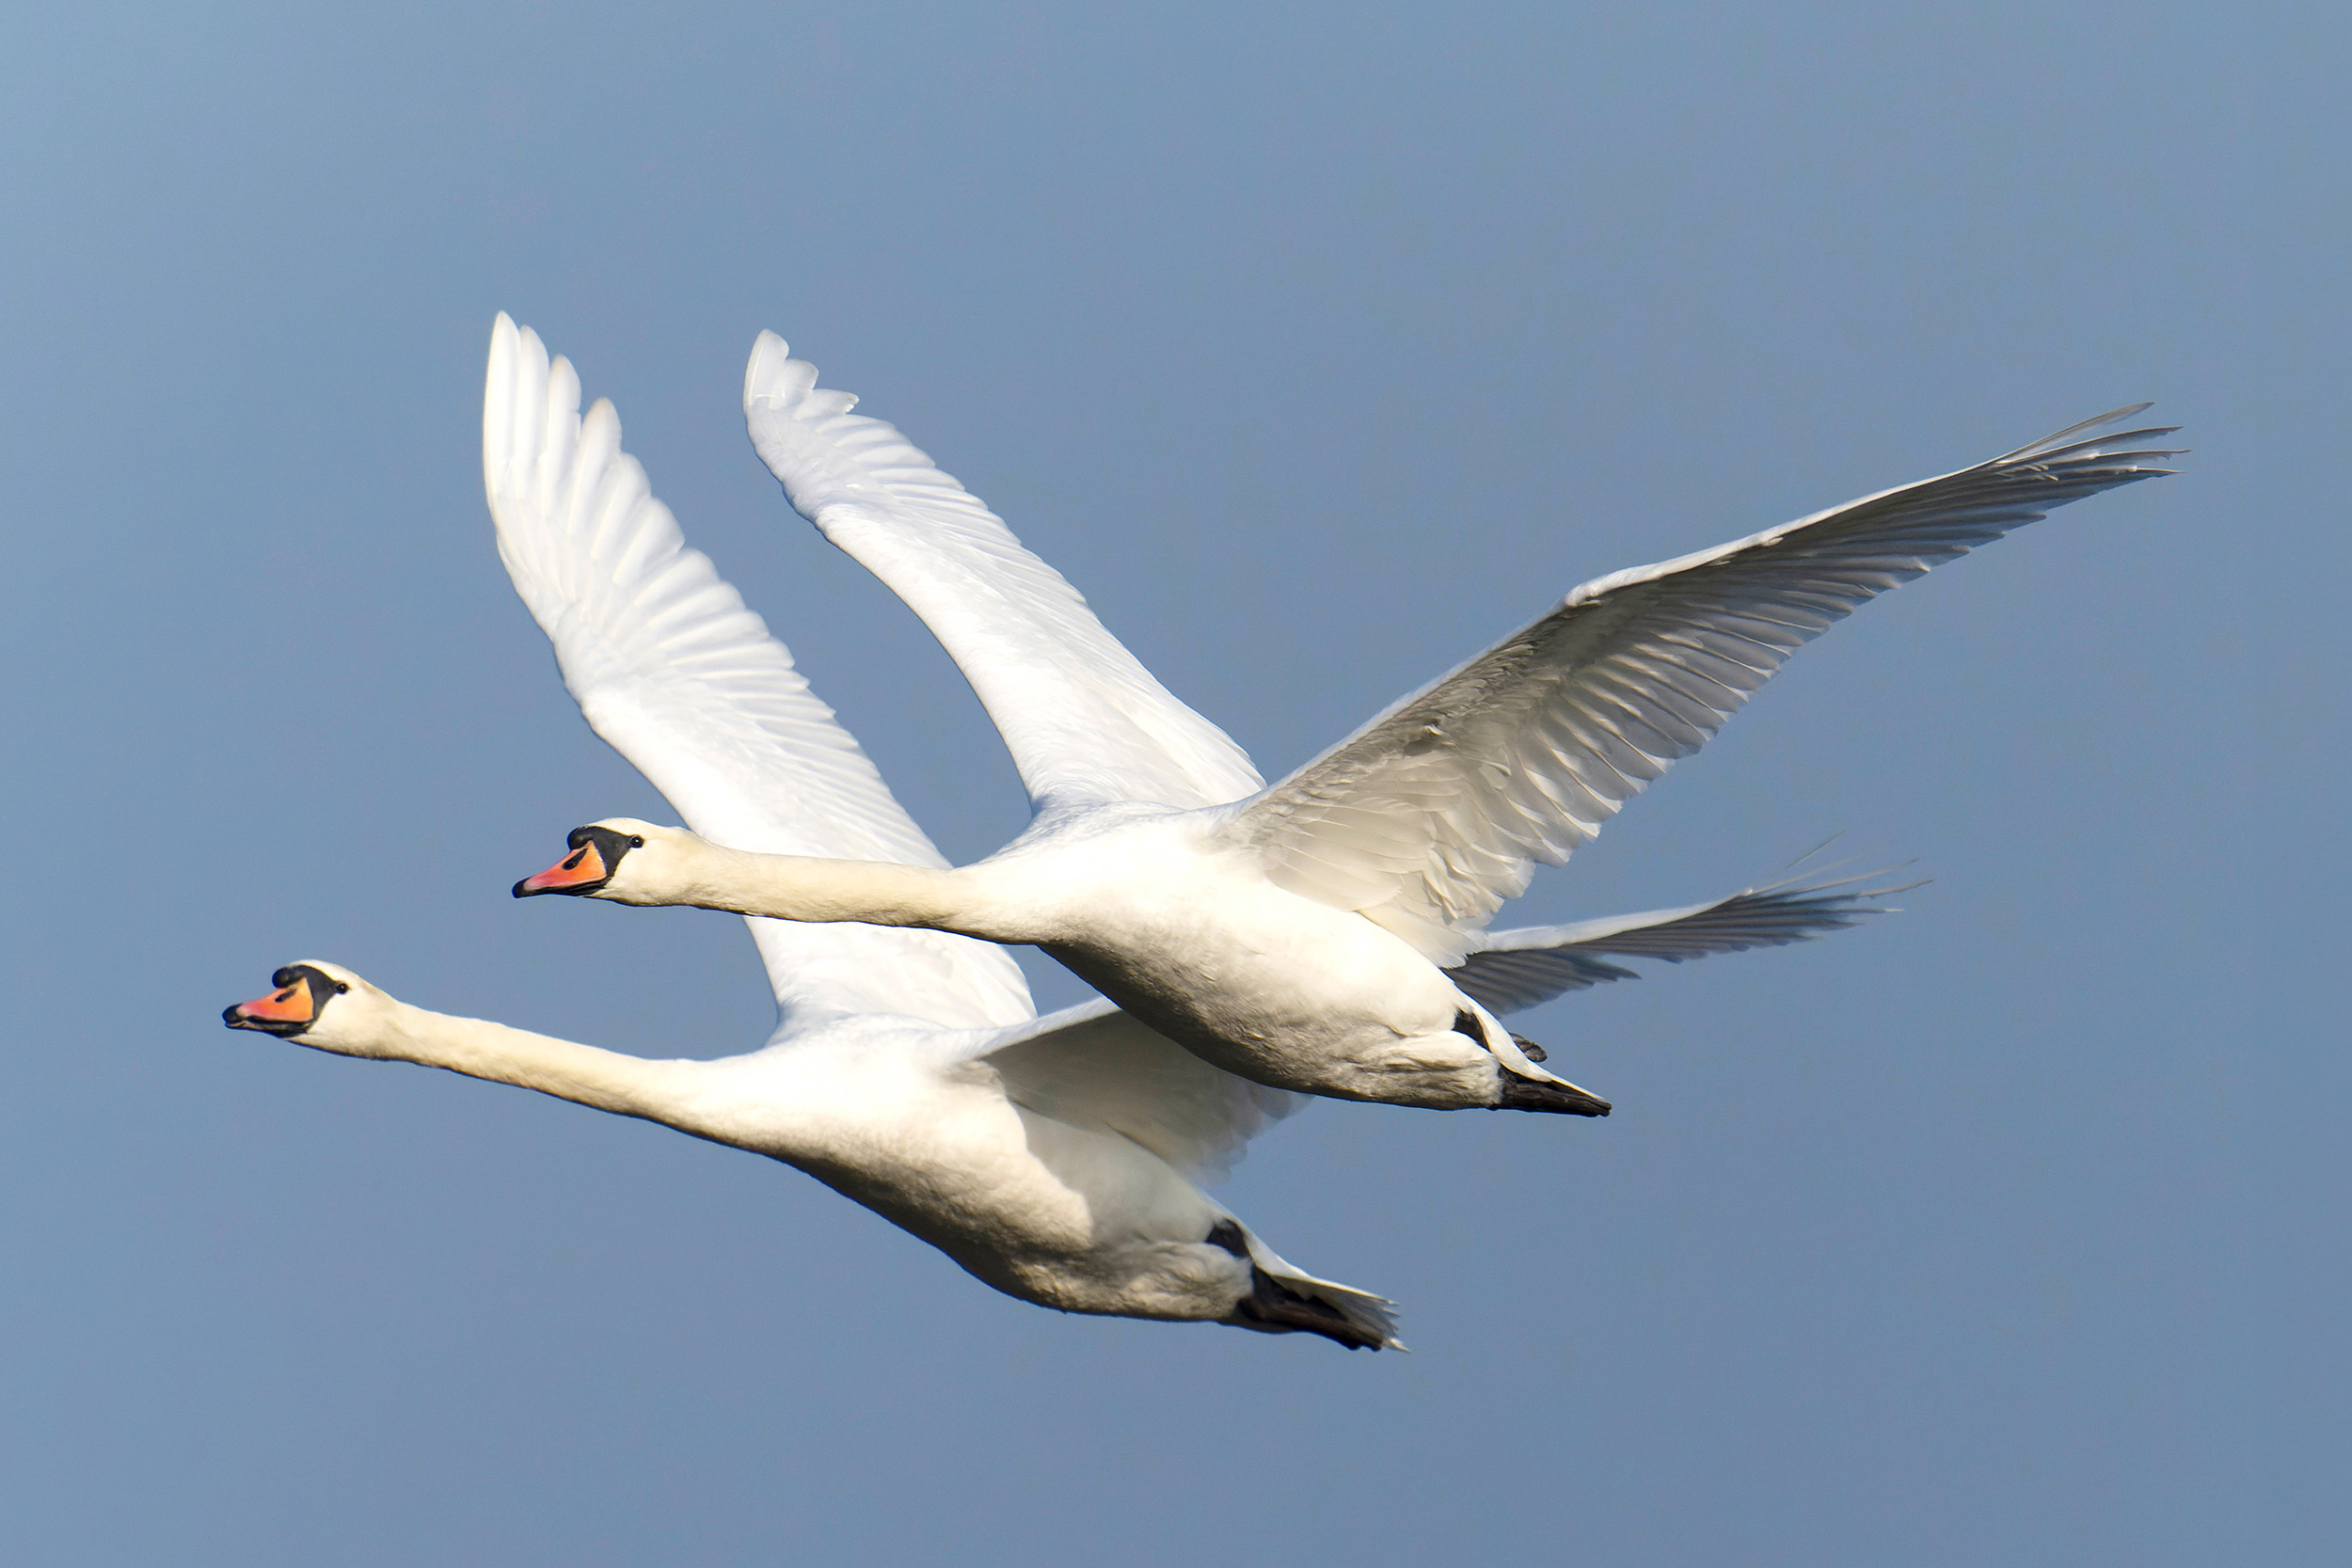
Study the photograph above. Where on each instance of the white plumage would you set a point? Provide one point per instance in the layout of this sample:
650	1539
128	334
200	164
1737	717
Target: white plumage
1430	816
1086	724
1049	1157
668	665
1326	935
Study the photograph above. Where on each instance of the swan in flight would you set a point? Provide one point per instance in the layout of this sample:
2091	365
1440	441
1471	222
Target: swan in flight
1326	935
1050	1157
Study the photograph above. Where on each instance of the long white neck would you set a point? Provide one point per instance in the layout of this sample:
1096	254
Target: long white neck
626	1085
803	887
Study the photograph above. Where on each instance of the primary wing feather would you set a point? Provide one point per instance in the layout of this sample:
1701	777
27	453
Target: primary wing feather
1518	969
1435	813
1085	721
673	670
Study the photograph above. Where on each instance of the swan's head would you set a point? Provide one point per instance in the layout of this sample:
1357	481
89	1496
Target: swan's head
315	1003
620	859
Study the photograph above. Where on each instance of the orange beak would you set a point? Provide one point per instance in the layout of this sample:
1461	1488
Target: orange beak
580	869
288	1005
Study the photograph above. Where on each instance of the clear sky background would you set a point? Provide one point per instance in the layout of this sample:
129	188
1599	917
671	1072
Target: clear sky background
1319	346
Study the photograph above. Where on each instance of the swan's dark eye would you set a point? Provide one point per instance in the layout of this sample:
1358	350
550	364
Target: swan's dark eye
341	988
635	842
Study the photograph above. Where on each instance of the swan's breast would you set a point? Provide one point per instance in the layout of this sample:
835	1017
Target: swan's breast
1186	933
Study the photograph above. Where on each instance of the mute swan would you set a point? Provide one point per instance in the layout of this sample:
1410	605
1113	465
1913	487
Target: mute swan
1075	1207
1326	935
909	1073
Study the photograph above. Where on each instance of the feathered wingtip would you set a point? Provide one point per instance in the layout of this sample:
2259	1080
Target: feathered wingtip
2060	447
1796	909
1522	968
515	381
1810	880
772	377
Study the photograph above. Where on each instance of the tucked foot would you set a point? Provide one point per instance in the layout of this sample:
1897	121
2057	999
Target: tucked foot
1280	1307
1522	1093
1534	1053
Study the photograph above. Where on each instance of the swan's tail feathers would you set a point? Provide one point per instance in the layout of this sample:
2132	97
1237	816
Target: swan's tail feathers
1285	1298
1519	969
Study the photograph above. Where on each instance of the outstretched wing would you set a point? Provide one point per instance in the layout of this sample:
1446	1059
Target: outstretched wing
1518	969
687	684
1085	721
1435	813
1096	1067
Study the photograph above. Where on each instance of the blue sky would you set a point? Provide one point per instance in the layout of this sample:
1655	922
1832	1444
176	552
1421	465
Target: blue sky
1318	346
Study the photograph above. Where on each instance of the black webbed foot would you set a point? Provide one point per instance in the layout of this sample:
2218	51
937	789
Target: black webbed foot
1522	1093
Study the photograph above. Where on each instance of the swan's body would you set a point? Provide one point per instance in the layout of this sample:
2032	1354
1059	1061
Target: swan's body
1159	908
1049	1157
1326	935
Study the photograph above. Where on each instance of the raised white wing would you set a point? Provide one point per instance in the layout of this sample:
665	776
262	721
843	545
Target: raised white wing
687	684
1085	722
1430	815
1518	969
1095	1066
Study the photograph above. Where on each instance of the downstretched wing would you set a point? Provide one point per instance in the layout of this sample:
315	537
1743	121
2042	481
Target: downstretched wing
1435	813
1095	1066
1518	969
1085	722
687	684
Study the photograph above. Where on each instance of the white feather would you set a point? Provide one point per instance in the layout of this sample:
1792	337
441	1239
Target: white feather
686	682
1085	722
1064	1183
1430	816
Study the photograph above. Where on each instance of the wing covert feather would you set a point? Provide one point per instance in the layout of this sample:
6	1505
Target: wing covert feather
680	678
1095	1066
1085	721
1430	815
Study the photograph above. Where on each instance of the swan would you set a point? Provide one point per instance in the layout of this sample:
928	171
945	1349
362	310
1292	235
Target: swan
1079	1206
1051	1158
1326	935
